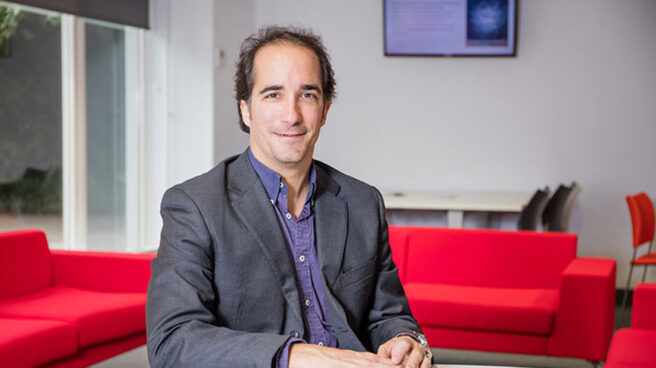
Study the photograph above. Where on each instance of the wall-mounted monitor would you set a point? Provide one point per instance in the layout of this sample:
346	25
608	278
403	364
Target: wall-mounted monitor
450	27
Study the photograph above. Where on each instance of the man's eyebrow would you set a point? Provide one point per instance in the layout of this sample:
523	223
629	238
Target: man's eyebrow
275	87
310	87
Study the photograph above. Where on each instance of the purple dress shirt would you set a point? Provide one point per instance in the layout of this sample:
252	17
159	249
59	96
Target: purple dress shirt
299	234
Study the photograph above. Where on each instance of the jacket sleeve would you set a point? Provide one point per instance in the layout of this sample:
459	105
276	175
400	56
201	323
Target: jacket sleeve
182	328
390	312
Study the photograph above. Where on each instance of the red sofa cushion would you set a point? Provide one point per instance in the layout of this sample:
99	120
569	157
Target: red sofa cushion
488	258
499	342
97	270
28	343
25	263
398	239
529	311
632	347
99	316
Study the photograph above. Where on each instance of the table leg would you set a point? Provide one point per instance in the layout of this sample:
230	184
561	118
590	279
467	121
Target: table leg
454	218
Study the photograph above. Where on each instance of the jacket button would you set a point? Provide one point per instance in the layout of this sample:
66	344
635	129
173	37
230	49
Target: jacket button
295	334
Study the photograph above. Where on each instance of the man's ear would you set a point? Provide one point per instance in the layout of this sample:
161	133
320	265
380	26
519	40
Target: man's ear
325	112
245	112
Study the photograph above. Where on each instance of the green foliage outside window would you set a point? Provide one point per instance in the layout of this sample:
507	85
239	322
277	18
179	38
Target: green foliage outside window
35	192
9	19
8	23
30	114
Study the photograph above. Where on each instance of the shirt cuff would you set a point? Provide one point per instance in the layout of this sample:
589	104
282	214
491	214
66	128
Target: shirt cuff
283	353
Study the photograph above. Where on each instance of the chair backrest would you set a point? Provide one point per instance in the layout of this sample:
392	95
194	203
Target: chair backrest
532	212
642	218
556	214
25	263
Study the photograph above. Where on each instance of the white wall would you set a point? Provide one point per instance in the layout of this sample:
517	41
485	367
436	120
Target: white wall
191	88
235	20
179	82
577	103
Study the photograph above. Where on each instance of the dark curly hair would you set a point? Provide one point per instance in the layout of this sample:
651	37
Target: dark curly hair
244	79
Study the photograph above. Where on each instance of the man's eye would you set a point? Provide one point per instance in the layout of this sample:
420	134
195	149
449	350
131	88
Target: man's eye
272	95
308	95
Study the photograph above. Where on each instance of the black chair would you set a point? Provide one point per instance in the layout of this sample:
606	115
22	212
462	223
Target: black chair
532	212
556	214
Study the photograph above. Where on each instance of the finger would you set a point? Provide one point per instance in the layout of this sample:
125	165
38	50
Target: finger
384	350
371	360
416	356
426	363
400	350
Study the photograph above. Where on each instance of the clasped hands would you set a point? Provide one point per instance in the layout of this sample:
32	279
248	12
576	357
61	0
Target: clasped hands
399	352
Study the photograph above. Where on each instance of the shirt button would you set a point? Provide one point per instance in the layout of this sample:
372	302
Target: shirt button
301	258
282	185
289	216
320	343
272	201
295	334
307	302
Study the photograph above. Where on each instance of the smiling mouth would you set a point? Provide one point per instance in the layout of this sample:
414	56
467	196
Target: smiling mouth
289	135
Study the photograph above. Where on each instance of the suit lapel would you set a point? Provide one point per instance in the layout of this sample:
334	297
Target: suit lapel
330	224
250	201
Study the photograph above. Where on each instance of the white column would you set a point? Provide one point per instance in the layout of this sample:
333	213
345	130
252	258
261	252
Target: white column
134	141
74	150
156	152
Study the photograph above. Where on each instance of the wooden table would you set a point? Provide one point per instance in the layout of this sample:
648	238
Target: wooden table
457	203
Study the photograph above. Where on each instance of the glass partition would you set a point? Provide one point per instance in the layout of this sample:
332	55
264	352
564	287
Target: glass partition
112	85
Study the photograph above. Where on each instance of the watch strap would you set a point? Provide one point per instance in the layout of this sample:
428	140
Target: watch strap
420	338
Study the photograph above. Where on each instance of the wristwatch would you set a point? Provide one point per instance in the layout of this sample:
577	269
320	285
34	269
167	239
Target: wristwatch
420	338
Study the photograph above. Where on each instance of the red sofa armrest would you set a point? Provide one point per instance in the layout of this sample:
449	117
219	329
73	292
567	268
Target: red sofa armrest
104	271
644	307
585	316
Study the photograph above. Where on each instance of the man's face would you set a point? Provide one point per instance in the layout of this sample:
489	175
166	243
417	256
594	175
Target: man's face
287	109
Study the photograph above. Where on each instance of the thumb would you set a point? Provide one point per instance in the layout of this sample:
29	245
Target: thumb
384	350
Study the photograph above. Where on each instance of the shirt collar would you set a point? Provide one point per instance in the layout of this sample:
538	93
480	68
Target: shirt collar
273	182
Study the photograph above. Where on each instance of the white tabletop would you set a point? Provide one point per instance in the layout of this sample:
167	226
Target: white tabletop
457	201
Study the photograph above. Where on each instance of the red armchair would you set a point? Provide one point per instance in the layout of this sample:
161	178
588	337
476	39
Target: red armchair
634	347
506	291
65	308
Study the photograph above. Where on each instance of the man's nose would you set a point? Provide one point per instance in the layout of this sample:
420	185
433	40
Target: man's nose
291	113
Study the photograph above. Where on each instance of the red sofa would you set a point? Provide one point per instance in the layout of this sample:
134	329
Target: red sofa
65	308
506	291
635	347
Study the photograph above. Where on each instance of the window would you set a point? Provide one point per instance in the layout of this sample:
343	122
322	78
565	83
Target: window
70	119
31	123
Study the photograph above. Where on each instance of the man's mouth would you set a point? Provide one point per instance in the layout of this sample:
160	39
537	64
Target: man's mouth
289	135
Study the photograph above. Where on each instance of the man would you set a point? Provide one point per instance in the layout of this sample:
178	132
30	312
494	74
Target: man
273	259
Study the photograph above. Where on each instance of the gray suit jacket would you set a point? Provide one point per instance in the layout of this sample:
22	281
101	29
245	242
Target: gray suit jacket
223	290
